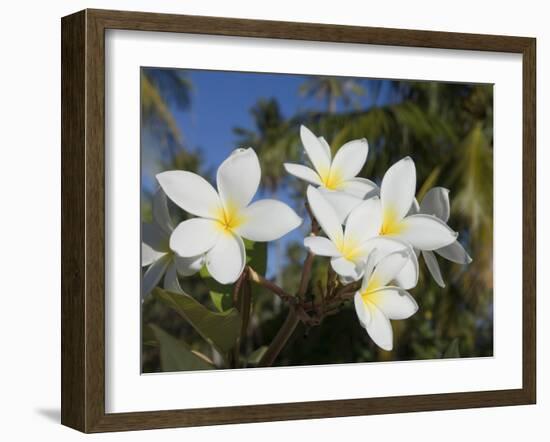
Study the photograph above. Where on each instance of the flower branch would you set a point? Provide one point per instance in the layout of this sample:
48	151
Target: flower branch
372	236
269	285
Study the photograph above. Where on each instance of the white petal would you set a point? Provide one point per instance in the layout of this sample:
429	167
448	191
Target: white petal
303	172
383	246
225	261
195	237
191	192
326	146
455	252
171	282
342	202
316	151
398	188
238	178
154	237
433	267
149	255
325	215
267	220
321	246
363	312
394	302
426	232
407	278
189	266
379	328
161	215
364	221
346	268
153	275
369	267
350	159
359	187
388	268
436	202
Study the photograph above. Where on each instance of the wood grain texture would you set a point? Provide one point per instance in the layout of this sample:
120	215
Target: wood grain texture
529	220
83	219
73	211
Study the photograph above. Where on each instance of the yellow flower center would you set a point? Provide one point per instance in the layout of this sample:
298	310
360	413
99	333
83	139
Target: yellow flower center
331	178
368	294
391	225
349	248
229	218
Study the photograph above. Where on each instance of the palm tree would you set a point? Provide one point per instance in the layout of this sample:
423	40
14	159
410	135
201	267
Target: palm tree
272	138
162	89
331	90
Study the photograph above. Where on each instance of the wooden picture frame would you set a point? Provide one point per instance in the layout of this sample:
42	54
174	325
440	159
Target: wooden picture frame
83	219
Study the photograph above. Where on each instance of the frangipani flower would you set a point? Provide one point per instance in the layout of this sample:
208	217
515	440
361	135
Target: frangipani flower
225	216
423	232
343	203
349	249
156	253
436	202
377	302
334	174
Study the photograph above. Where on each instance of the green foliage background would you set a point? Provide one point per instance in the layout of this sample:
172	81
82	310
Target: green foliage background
448	130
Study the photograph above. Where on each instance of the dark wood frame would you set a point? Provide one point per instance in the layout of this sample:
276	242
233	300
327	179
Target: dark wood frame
83	217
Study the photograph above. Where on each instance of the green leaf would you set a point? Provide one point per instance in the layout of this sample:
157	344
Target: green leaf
221	295
452	350
148	338
219	329
222	301
176	355
256	255
256	355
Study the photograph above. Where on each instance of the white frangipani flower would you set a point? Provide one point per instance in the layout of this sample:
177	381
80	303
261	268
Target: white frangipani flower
156	253
349	249
333	174
225	216
377	302
436	202
423	232
343	202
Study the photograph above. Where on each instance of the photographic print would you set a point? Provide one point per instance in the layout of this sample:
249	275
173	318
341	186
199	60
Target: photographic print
248	199
294	220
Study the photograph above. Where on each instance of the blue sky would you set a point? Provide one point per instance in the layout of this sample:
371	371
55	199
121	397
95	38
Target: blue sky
222	101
